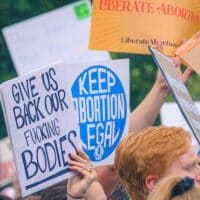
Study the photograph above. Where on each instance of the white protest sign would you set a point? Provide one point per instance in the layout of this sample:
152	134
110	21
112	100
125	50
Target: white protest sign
42	126
179	90
170	115
61	34
101	98
39	114
7	165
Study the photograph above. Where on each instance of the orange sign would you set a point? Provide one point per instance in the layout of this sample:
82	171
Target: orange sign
131	25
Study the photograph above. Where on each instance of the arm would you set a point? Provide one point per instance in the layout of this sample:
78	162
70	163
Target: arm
96	191
147	111
107	177
144	115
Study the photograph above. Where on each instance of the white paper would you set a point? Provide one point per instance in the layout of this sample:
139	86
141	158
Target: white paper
97	94
42	125
55	35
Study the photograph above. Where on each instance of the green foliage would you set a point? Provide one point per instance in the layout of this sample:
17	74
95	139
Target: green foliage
142	69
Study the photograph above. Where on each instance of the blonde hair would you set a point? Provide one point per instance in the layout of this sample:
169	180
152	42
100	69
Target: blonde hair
163	189
149	152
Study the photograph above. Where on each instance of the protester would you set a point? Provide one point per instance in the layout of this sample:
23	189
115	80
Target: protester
175	188
143	116
55	192
142	159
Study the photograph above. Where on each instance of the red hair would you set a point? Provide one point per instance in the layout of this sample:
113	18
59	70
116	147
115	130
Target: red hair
149	152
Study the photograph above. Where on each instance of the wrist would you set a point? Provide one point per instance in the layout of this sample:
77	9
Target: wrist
161	90
73	197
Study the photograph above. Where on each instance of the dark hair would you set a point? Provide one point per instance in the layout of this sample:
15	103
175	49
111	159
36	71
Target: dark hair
182	186
3	197
56	192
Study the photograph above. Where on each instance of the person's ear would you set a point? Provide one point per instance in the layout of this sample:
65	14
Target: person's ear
150	182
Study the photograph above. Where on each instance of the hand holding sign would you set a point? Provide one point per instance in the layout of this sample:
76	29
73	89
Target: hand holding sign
42	126
160	81
179	90
85	183
78	185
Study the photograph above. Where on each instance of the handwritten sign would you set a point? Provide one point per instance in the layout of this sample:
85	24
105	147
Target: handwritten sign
36	42
130	26
42	126
7	165
179	90
47	109
101	98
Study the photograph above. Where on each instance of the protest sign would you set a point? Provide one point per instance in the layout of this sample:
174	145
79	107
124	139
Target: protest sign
170	115
61	34
101	98
179	90
130	26
189	52
7	166
42	125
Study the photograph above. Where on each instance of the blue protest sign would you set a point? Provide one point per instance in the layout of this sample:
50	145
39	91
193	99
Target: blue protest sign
101	100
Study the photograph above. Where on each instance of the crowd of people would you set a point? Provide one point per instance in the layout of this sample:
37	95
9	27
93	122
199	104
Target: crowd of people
151	162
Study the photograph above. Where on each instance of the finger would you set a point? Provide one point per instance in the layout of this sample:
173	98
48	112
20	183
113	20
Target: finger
187	73
183	41
79	164
91	175
78	169
79	159
177	62
159	46
83	155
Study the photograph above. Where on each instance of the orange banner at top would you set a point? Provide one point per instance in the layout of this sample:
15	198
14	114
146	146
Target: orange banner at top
130	26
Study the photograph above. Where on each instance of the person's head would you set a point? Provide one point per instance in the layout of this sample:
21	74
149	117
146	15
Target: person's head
143	158
55	192
4	197
175	188
33	198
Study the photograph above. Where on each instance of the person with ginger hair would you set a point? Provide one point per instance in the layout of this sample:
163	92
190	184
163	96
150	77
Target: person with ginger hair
175	188
142	159
143	116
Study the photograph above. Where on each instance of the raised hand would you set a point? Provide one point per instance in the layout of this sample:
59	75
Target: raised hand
78	185
160	82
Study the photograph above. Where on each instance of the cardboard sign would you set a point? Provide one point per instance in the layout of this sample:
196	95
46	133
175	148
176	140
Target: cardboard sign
179	90
130	26
101	98
7	165
61	34
190	52
42	126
